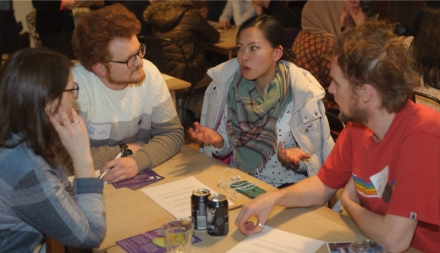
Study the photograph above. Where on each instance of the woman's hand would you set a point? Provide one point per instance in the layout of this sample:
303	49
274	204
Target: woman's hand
75	139
292	155
206	135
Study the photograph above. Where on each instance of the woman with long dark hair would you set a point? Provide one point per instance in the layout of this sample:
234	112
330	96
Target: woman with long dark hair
264	110
37	124
426	52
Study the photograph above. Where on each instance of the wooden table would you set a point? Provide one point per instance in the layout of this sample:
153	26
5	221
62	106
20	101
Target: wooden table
227	44
130	213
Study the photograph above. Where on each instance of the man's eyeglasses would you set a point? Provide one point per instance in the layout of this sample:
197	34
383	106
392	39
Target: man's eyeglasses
74	91
132	60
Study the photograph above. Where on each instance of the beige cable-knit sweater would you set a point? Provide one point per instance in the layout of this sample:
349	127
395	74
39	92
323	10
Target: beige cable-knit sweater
138	112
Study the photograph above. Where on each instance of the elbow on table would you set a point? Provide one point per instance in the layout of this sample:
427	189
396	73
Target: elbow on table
394	244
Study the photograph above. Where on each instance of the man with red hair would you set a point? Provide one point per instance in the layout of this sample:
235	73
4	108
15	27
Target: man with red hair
124	100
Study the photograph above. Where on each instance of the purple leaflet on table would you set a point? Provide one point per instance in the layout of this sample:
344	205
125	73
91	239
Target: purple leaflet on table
143	179
148	242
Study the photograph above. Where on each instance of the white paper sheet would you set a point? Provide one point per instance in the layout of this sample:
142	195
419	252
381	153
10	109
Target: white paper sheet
167	77
175	197
275	240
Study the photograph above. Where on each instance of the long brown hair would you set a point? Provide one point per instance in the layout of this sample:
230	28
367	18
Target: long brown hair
425	49
29	80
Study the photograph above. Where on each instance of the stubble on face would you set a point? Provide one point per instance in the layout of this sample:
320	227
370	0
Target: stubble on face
355	113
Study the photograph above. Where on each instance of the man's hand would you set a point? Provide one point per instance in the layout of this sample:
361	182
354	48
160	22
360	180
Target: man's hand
259	208
206	135
292	155
224	24
350	194
120	169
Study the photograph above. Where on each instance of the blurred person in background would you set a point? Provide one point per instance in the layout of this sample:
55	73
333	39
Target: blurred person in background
182	23
239	11
426	52
321	23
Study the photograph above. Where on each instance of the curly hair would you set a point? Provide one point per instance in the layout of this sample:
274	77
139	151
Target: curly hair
373	54
97	29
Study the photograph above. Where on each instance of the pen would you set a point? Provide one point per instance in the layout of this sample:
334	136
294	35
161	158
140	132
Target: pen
103	174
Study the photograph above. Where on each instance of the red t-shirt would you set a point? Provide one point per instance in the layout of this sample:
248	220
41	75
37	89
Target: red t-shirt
407	159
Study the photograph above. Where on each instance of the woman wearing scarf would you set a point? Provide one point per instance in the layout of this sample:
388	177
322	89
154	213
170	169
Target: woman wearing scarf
321	22
264	110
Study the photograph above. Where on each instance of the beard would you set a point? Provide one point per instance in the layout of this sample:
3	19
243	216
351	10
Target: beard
130	80
356	114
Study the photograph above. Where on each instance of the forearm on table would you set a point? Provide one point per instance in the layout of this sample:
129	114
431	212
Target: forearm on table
308	192
393	231
168	139
89	198
55	213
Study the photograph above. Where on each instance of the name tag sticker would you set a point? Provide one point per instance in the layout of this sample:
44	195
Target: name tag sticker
380	181
99	132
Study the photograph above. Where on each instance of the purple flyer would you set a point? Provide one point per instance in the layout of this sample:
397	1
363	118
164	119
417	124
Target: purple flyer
148	242
142	179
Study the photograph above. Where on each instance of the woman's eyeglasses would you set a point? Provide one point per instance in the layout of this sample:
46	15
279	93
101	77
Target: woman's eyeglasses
132	60
74	91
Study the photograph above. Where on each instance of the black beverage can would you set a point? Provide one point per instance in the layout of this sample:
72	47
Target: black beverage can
198	208
217	215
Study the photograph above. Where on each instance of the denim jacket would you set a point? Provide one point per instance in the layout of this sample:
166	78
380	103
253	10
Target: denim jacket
309	125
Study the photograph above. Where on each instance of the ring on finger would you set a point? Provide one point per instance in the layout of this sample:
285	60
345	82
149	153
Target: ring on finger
75	121
260	224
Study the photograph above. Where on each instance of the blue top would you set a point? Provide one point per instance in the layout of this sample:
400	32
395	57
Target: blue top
34	202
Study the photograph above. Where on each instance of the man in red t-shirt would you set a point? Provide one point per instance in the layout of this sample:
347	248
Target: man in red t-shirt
387	157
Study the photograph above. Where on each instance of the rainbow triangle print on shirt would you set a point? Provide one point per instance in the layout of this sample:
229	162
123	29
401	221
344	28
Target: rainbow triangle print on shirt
365	189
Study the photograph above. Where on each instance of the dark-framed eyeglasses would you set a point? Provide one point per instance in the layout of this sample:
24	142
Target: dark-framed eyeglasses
132	60
74	91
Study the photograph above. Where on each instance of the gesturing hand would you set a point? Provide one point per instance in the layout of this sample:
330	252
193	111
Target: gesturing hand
206	135
292	155
120	169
